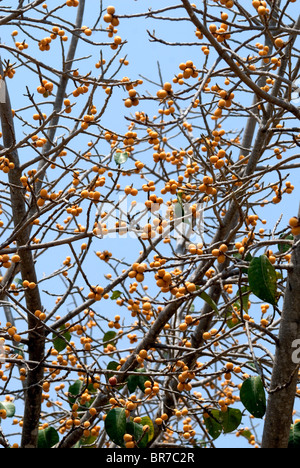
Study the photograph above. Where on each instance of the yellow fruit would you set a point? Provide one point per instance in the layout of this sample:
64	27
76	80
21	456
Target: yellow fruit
296	231
294	222
229	366
17	338
111	10
223	248
279	42
143	354
262	11
206	336
15	258
221	259
130	445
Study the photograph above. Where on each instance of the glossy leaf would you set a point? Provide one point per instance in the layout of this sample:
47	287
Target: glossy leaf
132	383
137	380
136	430
18	281
246	433
115	425
213	424
146	421
121	158
283	248
294	438
253	397
219	422
230	420
108	337
47	438
179	211
61	342
116	295
113	366
263	279
8	407
209	301
74	391
88	441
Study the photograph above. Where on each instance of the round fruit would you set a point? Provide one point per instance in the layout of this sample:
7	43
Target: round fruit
294	222
296	231
113	381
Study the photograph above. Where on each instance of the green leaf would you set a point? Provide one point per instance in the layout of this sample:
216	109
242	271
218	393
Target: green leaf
19	350
179	208
84	441
8	407
142	379
178	211
74	391
108	337
146	421
294	438
213	425
209	301
253	397
113	365
230	420
263	279
18	281
132	383
47	438
246	433
179	198
223	422
136	430
61	342
141	382
283	248
116	295
138	380
121	158
115	425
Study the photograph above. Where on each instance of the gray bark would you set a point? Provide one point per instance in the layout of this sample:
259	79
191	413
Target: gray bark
36	342
282	391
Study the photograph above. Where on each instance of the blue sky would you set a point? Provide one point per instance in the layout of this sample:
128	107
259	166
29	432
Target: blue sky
143	57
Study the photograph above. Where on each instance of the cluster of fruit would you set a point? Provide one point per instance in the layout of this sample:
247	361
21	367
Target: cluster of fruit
295	225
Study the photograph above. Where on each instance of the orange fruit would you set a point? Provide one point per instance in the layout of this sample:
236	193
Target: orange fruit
294	222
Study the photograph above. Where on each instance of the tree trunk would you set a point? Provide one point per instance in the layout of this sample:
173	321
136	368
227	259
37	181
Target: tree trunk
285	371
36	341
